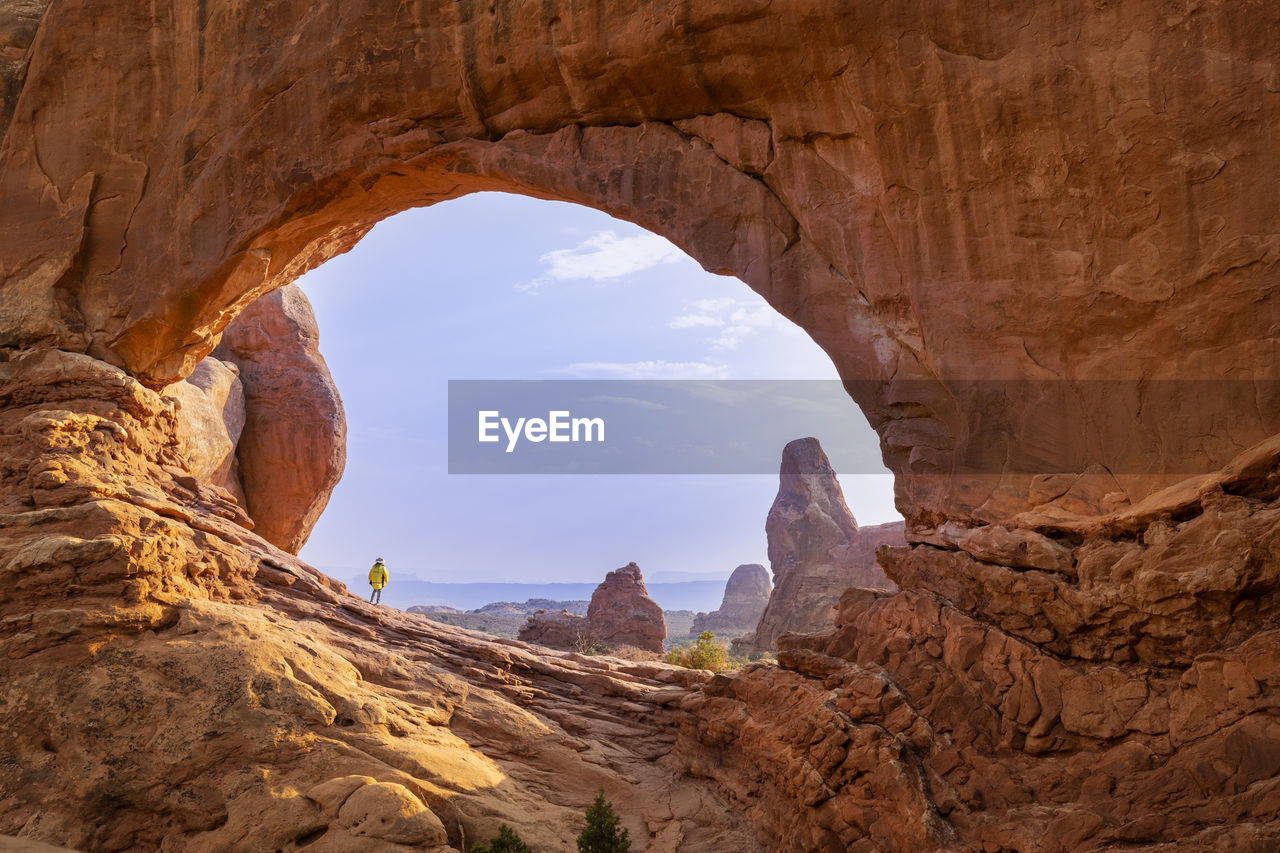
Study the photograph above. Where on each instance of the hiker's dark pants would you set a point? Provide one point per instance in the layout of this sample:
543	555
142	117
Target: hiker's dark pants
376	596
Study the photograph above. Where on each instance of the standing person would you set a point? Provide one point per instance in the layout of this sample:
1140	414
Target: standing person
377	580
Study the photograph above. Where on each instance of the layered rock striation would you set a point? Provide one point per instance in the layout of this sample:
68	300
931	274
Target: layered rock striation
173	680
745	595
816	548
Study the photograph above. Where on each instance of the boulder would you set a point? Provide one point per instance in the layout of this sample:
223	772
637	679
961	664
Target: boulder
211	418
293	446
557	630
745	595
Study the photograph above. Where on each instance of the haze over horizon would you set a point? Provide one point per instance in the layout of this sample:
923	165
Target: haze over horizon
496	286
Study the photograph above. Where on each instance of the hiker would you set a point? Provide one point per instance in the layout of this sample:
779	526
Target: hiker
377	580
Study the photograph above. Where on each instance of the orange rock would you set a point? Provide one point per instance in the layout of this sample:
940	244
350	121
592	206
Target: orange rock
621	613
294	444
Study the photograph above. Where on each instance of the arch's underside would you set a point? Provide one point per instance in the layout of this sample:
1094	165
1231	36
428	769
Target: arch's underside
1038	240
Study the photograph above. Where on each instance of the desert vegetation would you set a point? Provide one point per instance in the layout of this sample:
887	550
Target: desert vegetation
705	653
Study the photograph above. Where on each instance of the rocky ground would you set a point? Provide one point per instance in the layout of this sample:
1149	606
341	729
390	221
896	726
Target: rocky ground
194	687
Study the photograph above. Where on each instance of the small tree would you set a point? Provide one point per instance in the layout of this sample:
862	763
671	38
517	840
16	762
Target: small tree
586	643
506	841
602	834
705	653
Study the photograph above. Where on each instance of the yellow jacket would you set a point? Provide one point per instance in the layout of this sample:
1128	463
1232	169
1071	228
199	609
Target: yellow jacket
378	576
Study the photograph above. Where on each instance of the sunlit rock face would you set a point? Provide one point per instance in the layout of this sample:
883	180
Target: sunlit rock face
621	612
210	421
1021	234
294	445
263	420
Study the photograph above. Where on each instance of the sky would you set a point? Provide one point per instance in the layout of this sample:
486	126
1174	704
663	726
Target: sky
497	286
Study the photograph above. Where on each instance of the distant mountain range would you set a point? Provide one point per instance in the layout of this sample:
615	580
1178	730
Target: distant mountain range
687	595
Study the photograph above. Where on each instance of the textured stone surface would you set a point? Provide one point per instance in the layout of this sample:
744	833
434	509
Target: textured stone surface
211	416
816	549
1004	196
949	715
1021	232
171	680
621	613
745	595
294	444
557	629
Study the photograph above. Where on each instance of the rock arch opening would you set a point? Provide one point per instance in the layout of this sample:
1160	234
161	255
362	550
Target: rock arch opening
444	293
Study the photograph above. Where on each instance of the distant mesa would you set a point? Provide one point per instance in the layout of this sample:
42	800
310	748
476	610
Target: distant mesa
816	549
745	596
621	613
500	618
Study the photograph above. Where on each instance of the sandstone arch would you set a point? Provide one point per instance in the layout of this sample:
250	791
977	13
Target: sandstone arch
1043	197
831	195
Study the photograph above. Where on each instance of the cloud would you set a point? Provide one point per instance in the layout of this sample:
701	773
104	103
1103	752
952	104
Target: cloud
602	257
693	321
645	370
732	319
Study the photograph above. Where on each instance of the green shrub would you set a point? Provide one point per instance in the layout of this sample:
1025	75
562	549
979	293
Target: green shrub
705	653
602	834
506	841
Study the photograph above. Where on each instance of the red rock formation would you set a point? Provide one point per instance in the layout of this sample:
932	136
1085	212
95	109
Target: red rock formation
745	596
816	549
196	688
1024	234
294	444
558	630
621	613
947	715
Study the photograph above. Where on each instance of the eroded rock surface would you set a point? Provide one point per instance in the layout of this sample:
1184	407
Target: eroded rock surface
816	549
745	595
1037	240
621	613
557	629
172	680
211	417
946	716
294	444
